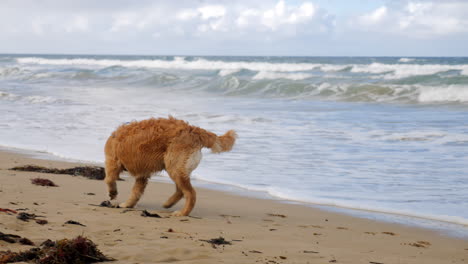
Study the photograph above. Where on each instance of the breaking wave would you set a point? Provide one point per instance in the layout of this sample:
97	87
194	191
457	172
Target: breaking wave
395	70
401	80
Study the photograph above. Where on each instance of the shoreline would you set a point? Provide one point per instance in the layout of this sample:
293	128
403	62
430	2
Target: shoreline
260	230
445	227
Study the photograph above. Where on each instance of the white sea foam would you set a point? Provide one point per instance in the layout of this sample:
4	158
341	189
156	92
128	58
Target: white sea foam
397	71
178	63
396	93
452	93
406	60
9	71
33	99
264	69
281	75
333	67
226	72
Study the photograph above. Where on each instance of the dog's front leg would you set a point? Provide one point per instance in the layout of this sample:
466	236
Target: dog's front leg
137	192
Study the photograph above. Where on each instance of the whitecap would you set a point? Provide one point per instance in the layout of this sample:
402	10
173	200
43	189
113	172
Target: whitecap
279	75
406	60
452	93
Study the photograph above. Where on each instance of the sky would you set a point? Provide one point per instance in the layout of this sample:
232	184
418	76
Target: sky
244	27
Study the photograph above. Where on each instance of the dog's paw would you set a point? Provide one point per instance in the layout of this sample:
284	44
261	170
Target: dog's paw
177	213
125	205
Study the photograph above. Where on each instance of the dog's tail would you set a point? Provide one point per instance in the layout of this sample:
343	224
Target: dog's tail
218	144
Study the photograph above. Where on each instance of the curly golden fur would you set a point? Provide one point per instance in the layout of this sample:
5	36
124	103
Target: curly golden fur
145	147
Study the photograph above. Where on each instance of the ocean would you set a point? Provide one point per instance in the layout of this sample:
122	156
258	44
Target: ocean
381	134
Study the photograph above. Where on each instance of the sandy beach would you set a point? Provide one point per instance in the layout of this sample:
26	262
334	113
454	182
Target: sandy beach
260	231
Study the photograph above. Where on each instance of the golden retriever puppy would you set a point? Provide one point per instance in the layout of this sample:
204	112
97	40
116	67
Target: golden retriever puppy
145	147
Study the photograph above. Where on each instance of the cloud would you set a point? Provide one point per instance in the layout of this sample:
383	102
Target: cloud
78	23
211	11
374	17
417	19
226	27
187	14
208	16
276	17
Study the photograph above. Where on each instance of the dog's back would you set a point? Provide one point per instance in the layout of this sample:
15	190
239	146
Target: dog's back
140	146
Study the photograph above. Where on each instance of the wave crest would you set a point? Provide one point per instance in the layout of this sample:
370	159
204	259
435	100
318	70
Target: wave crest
32	99
402	80
229	67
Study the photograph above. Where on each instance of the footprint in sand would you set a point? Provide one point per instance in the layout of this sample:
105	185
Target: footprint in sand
306	226
420	244
277	215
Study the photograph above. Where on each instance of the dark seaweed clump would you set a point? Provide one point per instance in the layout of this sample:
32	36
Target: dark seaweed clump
217	241
90	172
145	213
72	222
11	238
43	182
26	216
76	251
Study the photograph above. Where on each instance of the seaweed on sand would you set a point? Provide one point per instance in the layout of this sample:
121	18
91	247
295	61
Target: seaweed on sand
11	238
74	251
42	221
26	216
107	204
145	213
217	241
24	256
72	222
43	182
8	211
90	172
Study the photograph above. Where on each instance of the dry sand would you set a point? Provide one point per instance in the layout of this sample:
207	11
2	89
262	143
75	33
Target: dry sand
261	231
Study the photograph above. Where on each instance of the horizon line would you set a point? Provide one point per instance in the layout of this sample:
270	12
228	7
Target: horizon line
196	55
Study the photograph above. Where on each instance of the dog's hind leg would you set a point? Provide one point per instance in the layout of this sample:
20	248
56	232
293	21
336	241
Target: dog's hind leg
137	191
179	165
174	198
113	169
183	182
